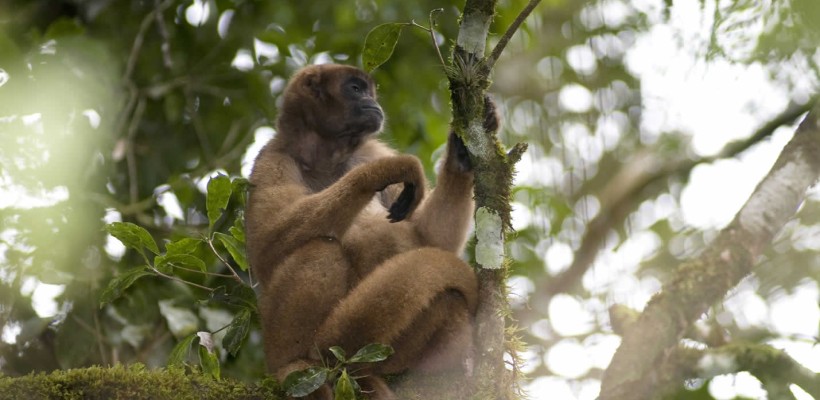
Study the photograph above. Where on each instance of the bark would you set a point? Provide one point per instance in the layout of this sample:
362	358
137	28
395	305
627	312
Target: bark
651	341
468	75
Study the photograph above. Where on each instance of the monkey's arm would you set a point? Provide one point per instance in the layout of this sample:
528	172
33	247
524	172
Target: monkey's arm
444	218
293	216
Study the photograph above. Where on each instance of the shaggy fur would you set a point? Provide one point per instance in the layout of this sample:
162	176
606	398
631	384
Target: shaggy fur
333	269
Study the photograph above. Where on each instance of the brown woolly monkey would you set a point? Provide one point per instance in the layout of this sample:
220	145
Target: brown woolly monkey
347	249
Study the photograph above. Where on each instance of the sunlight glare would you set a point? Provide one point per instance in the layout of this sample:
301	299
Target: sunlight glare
113	246
10	332
224	23
549	388
797	313
575	98
742	384
261	136
568	358
558	257
197	13
43	299
569	317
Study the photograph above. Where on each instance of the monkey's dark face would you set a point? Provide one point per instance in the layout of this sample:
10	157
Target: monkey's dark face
336	102
364	114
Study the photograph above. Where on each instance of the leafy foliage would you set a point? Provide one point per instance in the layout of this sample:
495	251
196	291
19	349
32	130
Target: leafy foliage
304	382
121	111
179	260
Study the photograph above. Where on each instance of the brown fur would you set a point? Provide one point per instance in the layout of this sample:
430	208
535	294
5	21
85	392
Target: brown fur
333	270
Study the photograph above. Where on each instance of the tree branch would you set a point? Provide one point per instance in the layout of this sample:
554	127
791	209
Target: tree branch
773	367
505	38
701	282
628	189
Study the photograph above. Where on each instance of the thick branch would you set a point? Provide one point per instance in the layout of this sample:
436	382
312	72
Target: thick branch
702	282
627	190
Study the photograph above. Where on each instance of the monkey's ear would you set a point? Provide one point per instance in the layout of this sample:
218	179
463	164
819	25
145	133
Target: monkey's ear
313	81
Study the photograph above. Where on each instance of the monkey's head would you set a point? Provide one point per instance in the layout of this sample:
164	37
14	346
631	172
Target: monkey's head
336	102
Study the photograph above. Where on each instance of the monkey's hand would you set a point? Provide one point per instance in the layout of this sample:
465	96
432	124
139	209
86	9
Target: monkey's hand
491	118
404	204
412	193
457	152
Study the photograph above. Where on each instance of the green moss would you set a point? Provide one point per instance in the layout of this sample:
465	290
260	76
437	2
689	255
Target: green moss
131	382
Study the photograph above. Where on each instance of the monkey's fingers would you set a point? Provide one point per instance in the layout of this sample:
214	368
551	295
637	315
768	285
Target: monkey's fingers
459	153
491	119
403	206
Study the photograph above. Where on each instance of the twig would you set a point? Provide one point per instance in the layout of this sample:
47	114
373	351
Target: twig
206	273
502	42
174	278
130	156
100	338
140	38
432	33
163	32
788	116
199	129
224	261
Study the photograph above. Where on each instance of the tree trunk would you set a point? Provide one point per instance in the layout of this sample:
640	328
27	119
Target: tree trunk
653	339
468	75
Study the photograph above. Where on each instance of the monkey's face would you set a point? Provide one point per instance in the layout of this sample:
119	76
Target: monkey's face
365	112
358	114
336	102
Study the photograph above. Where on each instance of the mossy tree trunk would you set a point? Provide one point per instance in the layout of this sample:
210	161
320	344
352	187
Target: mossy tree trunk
469	77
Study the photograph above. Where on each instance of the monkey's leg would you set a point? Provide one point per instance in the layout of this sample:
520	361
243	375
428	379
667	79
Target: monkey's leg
440	338
412	291
300	295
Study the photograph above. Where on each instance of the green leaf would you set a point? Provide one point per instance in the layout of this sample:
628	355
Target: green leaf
339	353
379	44
63	27
180	351
209	362
344	388
304	382
239	187
133	236
182	246
118	285
236	249
238	228
219	192
373	352
240	295
237	332
167	262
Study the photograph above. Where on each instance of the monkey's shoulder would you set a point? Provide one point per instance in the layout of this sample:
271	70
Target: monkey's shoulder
274	167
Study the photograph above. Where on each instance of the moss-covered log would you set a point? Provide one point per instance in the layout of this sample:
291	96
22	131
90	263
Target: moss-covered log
132	382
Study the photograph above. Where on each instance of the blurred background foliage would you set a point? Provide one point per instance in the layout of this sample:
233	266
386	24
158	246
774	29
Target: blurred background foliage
120	111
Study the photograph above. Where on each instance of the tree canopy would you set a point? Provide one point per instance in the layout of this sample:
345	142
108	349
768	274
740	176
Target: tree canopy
127	128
